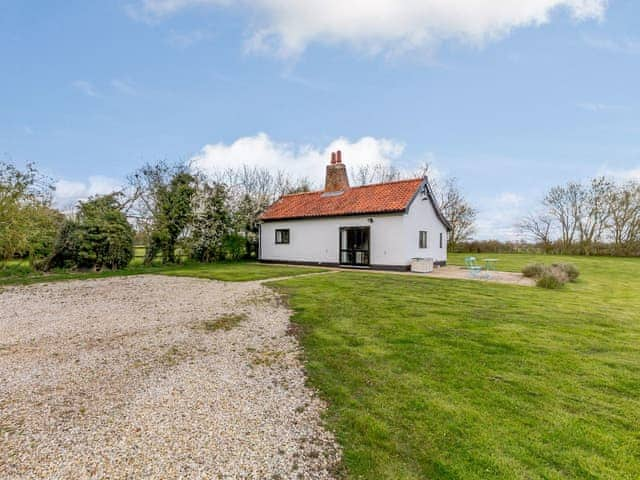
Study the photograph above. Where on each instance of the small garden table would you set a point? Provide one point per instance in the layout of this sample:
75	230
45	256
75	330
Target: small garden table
490	265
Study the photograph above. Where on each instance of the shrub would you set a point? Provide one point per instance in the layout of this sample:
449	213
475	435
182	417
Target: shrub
551	276
569	269
211	224
100	238
534	270
65	247
105	237
236	246
28	224
552	279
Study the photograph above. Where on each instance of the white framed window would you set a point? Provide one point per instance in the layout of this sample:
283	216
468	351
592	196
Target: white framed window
423	239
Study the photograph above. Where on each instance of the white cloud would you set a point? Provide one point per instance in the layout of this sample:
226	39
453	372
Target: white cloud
85	87
621	174
287	27
68	193
299	160
124	86
498	216
632	174
509	199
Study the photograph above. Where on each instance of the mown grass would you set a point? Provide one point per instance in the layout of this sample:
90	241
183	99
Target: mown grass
436	378
20	273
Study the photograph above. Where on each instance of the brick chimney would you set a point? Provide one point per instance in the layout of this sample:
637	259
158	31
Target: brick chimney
336	180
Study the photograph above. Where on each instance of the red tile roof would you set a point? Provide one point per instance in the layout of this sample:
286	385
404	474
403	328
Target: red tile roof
387	197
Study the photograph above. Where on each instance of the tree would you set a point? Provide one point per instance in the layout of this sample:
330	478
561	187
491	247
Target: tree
99	237
593	212
159	201
212	223
28	223
587	217
562	203
43	224
623	203
173	214
457	210
143	194
250	191
245	221
374	173
540	227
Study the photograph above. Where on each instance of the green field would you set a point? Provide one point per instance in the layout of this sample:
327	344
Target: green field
435	378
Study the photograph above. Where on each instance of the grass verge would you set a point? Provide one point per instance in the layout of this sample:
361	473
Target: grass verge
435	378
19	273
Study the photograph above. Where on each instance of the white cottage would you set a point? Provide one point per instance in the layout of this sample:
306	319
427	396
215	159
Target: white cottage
381	226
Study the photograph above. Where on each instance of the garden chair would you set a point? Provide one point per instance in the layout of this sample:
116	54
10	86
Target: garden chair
475	270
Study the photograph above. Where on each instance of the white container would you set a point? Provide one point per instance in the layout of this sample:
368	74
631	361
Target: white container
422	265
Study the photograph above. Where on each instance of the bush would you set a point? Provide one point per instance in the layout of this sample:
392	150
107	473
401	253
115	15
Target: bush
551	276
570	270
236	246
28	223
534	270
100	238
65	248
552	279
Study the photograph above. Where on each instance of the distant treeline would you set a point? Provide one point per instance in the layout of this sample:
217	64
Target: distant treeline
554	248
598	217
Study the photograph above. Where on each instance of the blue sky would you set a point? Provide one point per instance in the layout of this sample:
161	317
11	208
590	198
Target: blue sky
509	97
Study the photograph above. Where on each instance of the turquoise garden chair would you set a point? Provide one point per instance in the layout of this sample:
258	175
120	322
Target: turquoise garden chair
475	270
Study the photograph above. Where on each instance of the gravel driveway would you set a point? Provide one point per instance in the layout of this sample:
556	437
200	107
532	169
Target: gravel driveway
155	377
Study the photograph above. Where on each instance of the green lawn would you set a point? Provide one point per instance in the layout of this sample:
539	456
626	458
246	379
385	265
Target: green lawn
21	273
435	378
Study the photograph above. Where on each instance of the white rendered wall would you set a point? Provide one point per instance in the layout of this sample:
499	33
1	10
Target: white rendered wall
393	239
422	216
317	240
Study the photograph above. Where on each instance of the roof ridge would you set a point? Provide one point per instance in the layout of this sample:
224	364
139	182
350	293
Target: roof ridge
300	193
405	180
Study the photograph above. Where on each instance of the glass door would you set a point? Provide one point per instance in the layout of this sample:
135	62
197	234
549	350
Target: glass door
354	246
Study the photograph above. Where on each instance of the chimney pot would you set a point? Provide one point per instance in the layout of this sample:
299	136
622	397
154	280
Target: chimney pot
333	158
338	156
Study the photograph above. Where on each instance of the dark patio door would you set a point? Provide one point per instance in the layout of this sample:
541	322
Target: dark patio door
354	246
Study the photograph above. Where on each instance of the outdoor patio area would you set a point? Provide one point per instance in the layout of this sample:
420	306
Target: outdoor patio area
464	273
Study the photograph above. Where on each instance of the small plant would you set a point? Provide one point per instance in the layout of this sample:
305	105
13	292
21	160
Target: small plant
551	280
534	270
224	322
551	276
569	269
